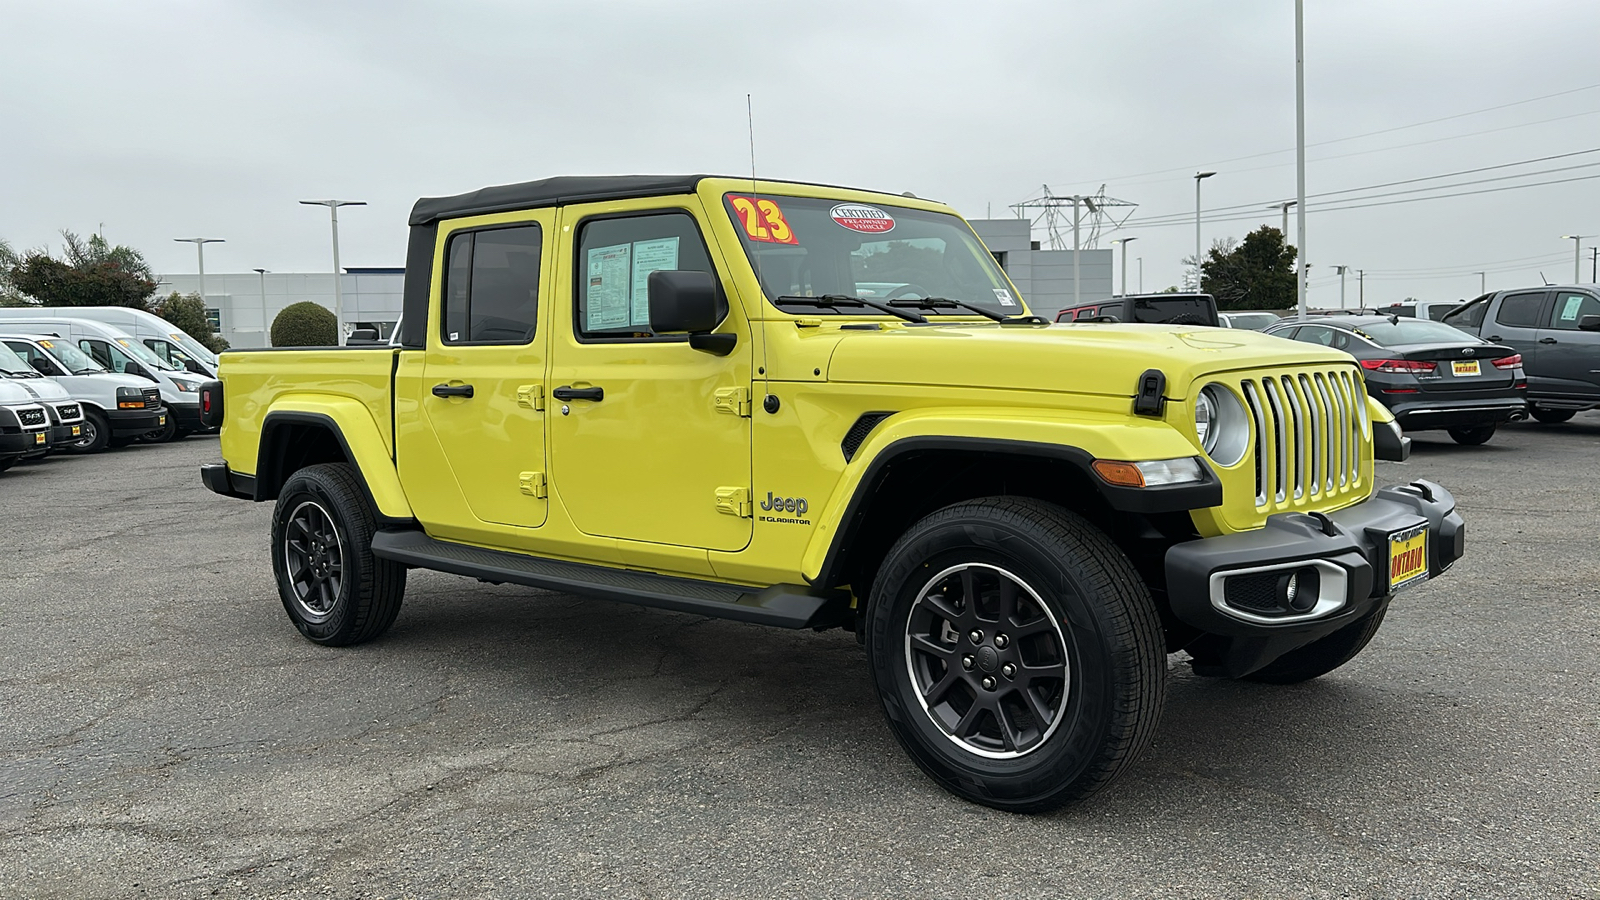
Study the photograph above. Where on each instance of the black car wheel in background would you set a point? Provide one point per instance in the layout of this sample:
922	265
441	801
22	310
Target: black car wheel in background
1431	376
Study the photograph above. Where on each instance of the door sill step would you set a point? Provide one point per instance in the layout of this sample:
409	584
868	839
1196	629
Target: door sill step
782	605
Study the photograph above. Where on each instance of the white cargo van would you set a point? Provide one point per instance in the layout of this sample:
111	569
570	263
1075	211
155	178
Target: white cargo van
117	408
66	411
117	351
180	349
24	425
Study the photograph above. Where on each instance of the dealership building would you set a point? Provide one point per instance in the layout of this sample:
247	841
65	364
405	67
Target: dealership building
242	305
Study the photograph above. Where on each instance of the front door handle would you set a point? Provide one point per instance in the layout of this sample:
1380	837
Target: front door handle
452	390
1548	341
568	392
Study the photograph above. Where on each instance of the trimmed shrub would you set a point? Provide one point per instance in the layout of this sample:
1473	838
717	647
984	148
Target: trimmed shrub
305	324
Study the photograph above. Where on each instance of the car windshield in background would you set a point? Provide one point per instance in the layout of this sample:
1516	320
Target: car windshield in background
1412	331
802	247
1252	320
11	363
144	354
194	348
1182	311
71	358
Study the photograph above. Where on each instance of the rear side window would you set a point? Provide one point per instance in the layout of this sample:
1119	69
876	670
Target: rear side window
1321	334
1088	312
615	258
1404	310
1469	316
1436	313
1570	309
491	286
1521	310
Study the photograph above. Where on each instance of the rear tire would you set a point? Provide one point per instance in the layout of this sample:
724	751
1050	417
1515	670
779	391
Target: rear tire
94	433
1472	437
334	590
1551	416
1016	652
1320	657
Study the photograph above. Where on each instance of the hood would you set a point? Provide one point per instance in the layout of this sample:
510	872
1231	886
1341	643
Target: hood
13	394
1086	359
41	388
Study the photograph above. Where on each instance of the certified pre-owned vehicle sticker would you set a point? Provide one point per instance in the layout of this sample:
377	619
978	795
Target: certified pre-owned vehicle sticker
863	218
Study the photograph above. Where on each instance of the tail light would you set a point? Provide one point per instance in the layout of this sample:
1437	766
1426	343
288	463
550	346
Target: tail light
1508	362
1410	366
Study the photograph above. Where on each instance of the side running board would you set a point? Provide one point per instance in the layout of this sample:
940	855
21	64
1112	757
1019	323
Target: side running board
783	605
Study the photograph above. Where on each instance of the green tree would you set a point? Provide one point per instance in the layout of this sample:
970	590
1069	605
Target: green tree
305	324
1256	273
92	273
9	295
188	313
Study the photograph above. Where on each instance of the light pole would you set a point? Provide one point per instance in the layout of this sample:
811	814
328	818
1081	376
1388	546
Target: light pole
1140	260
1198	177
1483	281
1342	270
1361	288
1577	255
1594	265
266	334
338	289
1284	208
200	248
1124	242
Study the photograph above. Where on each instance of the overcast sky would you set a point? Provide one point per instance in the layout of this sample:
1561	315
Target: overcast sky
157	120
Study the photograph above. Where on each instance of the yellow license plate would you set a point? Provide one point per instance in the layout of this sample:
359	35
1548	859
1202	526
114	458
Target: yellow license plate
162	420
76	430
1408	557
38	438
1464	367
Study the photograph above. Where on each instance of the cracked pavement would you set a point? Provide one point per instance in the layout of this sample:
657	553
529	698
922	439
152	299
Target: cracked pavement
165	732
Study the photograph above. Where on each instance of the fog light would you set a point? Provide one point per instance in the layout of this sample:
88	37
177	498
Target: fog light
1298	589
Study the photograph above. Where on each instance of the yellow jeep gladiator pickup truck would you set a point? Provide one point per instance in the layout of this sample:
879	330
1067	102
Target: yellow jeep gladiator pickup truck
813	407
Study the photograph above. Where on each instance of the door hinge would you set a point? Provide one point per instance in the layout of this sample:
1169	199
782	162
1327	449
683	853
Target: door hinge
734	501
734	401
531	483
530	396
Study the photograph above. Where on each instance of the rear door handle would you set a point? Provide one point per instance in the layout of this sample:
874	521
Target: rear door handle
452	390
1548	341
568	392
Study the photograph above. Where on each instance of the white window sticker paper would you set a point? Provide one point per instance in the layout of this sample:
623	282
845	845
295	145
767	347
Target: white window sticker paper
607	296
650	256
1570	311
1004	296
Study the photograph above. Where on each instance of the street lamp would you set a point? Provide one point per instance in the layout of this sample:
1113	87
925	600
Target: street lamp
338	289
266	339
1342	270
1284	208
1124	242
1483	281
1577	255
1198	177
1140	261
200	247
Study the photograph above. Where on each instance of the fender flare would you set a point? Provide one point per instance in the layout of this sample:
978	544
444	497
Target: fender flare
1076	441
352	426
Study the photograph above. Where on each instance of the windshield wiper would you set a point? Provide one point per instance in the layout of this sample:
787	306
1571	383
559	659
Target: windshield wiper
88	371
947	303
836	301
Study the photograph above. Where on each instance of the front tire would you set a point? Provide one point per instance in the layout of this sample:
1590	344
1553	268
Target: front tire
94	433
1016	652
163	434
334	590
1472	437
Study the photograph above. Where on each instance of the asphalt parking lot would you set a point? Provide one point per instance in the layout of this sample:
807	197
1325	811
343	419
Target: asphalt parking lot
165	732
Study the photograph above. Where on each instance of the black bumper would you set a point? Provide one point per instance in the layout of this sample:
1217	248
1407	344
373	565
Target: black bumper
188	417
132	422
24	443
65	434
1349	549
219	479
1436	413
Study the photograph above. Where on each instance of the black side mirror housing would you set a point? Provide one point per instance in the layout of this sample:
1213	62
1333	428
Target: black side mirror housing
1589	323
132	368
362	336
685	302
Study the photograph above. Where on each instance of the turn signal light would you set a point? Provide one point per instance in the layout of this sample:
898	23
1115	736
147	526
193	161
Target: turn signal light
130	404
1125	474
1409	366
1508	362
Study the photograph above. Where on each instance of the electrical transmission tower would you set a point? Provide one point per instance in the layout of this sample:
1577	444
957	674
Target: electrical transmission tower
1054	218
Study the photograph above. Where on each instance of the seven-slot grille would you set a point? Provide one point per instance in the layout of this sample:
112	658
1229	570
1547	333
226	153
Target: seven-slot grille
152	398
1309	427
69	412
32	417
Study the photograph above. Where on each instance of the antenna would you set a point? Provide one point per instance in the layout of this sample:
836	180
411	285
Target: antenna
750	118
1544	279
755	254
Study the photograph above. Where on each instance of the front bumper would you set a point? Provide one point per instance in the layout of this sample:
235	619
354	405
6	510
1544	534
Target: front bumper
25	443
65	434
136	422
1348	549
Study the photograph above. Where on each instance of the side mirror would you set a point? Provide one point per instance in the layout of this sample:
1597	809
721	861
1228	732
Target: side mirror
683	302
1589	323
362	336
132	368
194	367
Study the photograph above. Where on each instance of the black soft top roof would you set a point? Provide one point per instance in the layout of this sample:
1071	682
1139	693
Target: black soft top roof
556	191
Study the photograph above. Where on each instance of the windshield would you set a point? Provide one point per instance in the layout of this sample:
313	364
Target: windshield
1255	321
1176	311
144	354
194	348
71	358
803	247
11	363
1411	331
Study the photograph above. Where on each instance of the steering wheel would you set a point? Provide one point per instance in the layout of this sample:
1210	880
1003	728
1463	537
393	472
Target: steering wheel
907	290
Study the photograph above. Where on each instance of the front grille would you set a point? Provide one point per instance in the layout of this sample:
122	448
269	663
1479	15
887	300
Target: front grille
31	418
69	412
152	398
1308	433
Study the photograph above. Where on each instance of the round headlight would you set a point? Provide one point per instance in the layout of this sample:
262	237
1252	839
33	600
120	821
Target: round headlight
1205	412
1226	433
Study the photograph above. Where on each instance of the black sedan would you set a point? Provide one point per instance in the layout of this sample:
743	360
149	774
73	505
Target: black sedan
1428	374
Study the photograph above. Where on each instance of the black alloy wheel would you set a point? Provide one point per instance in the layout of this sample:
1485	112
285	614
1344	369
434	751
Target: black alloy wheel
334	590
94	433
1016	652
